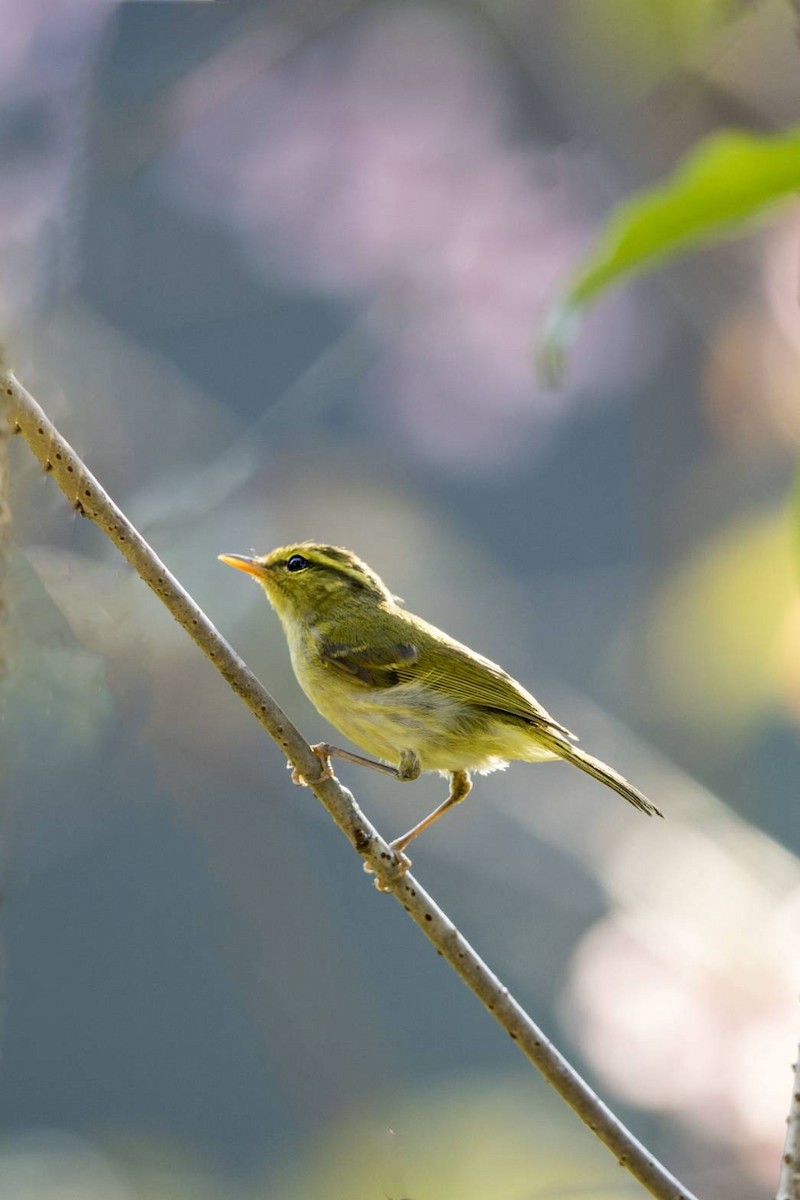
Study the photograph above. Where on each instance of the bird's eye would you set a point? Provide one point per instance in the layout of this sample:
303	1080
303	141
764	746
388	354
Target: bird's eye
297	563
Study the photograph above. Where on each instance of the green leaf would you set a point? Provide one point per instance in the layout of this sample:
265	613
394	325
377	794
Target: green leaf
724	182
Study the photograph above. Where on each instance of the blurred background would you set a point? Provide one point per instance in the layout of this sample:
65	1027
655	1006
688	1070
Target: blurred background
276	270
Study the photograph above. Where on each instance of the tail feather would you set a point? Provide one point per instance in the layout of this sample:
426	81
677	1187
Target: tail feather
605	774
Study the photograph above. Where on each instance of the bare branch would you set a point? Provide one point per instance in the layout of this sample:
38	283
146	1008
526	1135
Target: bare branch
5	526
83	491
789	1183
5	666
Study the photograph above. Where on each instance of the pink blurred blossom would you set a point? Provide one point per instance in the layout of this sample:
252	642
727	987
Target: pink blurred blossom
782	274
688	1004
380	162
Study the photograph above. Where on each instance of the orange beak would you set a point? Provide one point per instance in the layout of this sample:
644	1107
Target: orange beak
252	566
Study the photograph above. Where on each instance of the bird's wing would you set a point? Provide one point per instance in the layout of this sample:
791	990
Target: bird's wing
378	666
416	653
478	681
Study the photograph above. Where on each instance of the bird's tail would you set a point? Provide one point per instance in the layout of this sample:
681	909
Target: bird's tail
607	775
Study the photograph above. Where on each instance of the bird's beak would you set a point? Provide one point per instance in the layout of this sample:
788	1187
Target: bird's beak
252	566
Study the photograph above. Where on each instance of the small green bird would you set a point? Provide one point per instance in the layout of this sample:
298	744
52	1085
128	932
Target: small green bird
401	688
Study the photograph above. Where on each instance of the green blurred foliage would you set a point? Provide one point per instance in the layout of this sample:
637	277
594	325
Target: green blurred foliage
634	43
714	631
476	1139
724	183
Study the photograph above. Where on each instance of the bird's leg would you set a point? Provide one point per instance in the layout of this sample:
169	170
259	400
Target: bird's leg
460	787
409	767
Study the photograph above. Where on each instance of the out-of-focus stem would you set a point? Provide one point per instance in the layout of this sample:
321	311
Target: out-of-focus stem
789	1183
5	530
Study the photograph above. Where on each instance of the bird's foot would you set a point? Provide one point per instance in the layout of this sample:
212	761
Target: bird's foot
323	753
401	863
409	767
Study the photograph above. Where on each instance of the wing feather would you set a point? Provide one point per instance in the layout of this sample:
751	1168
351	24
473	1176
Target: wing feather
459	674
376	666
482	683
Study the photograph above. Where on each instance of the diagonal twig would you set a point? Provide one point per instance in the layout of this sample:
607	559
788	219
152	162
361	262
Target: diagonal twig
23	415
789	1184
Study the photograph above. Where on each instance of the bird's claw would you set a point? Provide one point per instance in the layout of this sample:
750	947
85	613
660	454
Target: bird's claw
401	863
322	752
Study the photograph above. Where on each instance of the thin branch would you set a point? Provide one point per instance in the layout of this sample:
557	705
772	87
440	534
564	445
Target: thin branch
5	667
789	1183
5	527
86	495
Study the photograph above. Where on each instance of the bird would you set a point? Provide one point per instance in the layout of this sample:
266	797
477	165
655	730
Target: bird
399	688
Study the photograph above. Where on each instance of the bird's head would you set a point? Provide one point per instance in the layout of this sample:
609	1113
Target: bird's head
308	579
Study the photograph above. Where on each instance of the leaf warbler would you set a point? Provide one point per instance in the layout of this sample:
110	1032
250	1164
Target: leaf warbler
401	688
